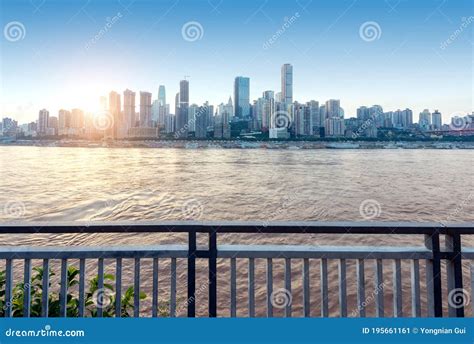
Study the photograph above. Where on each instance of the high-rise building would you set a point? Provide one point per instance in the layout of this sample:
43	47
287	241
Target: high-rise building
162	95
128	111
333	108
425	120
316	120
43	122
334	127
64	119
145	109
53	125
115	111
242	97
182	113
287	83
437	120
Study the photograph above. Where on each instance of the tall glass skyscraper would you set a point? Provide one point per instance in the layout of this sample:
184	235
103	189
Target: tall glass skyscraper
242	97
287	83
162	95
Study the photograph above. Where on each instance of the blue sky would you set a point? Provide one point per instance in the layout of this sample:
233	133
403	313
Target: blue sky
410	64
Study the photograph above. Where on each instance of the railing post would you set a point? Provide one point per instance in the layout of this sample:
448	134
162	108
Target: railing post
454	276
213	273
433	276
192	274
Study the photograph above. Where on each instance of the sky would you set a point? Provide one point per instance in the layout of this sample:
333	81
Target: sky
395	53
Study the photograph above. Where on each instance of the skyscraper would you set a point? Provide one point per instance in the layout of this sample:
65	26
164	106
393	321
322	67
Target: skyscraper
287	83
242	97
182	113
436	120
64	124
145	109
115	110
425	120
162	95
43	119
128	111
333	108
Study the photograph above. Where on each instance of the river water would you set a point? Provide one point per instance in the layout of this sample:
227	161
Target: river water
133	184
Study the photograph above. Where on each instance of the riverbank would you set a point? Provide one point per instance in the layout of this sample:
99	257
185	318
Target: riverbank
239	144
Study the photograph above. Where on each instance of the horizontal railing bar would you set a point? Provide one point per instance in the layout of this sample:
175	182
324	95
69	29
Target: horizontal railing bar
260	227
331	252
90	252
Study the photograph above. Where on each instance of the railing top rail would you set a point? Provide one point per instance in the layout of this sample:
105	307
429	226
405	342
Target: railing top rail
256	227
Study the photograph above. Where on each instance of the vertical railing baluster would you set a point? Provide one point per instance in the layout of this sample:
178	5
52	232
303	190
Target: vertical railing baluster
379	289
173	288
454	275
63	289
100	285
27	289
8	288
136	289
213	273
192	247
433	276
324	288
306	288
397	289
155	289
342	288
82	286
233	287
415	289
251	287
45	289
288	286
269	287
118	288
360	287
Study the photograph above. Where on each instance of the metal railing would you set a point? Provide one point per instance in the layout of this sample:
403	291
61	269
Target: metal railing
431	254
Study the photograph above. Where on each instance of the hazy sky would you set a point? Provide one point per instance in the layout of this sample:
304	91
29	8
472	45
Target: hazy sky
421	57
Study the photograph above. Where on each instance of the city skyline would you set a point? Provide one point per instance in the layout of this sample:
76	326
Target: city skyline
413	62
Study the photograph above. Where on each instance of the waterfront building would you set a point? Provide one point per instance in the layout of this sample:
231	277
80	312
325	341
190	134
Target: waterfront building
242	97
334	127
53	125
316	120
128	111
43	118
437	121
182	111
424	121
145	110
333	108
287	83
115	111
64	122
